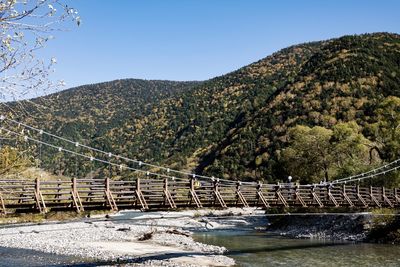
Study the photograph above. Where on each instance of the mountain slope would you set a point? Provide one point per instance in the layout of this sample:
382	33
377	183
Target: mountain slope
236	125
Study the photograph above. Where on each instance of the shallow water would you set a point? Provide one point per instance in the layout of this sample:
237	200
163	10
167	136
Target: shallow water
251	248
13	257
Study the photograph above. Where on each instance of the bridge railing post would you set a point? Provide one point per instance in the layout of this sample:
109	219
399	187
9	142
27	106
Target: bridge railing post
138	184
167	195
75	196
396	196
139	195
40	204
217	195
165	187
239	196
238	184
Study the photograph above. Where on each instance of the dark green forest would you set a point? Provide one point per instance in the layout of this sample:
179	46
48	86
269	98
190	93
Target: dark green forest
315	111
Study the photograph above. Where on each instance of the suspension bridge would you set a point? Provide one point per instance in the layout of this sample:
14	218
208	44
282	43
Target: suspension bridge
165	188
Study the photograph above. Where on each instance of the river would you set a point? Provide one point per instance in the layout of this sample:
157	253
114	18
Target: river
254	248
247	246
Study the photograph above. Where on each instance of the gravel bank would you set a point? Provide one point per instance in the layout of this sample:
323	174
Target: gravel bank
332	227
115	240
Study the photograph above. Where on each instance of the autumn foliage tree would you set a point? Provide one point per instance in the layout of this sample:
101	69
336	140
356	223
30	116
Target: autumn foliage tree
25	27
319	154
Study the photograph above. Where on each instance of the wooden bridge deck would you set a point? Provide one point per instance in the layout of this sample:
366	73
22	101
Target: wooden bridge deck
21	196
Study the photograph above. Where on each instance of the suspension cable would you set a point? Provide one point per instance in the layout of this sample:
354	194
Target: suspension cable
109	154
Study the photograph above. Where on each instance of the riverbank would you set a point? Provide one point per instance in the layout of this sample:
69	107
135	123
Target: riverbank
134	238
358	227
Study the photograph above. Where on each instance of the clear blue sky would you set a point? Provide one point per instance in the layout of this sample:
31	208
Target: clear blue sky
201	39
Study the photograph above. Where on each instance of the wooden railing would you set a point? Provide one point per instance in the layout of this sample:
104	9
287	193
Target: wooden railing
21	196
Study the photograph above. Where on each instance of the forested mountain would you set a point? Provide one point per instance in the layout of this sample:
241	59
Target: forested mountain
315	111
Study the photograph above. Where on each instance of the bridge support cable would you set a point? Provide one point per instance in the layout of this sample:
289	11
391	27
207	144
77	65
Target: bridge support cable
389	167
109	154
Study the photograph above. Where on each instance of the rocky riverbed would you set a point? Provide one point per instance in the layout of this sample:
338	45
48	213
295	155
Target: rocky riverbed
158	239
360	227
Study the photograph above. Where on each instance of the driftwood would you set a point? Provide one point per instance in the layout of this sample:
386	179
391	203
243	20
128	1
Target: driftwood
146	236
177	232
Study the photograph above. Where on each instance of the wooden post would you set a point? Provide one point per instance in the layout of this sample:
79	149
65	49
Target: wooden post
109	197
315	196
396	196
217	195
76	200
373	198
237	192
140	196
360	198
346	197
279	196
167	195
3	206
260	196
330	195
165	187
385	198
239	195
193	195
40	204
299	197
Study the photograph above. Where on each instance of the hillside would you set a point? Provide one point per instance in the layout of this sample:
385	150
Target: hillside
245	124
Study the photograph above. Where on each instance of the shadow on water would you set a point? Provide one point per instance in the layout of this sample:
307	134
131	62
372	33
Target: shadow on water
143	259
283	248
167	256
